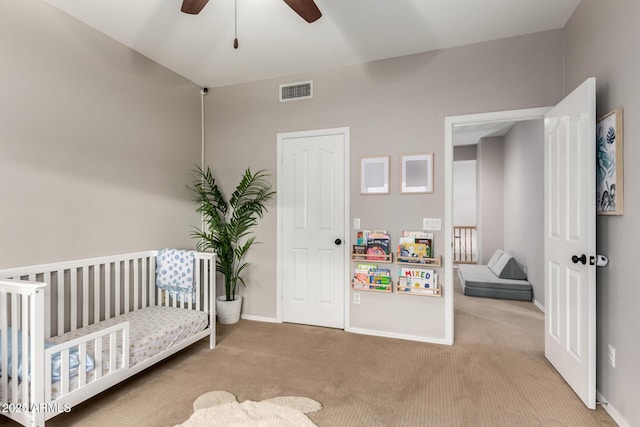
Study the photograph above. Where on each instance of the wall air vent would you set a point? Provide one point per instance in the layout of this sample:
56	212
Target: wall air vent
296	91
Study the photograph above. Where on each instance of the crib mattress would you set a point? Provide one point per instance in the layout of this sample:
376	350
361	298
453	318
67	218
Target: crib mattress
152	330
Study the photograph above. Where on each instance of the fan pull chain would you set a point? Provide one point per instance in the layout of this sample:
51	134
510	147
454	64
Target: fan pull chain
235	40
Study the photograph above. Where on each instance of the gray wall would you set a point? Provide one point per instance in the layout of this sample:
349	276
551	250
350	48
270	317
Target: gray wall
96	142
524	200
393	107
490	197
602	42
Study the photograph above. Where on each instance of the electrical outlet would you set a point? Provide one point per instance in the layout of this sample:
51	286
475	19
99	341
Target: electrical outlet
356	298
612	356
356	223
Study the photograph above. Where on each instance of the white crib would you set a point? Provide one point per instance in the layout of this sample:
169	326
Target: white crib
38	304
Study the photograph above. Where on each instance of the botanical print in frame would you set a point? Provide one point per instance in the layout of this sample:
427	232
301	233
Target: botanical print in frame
609	164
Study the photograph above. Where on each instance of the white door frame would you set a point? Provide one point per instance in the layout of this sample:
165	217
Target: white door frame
345	132
449	123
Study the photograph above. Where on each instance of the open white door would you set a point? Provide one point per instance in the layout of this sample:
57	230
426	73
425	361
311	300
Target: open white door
570	240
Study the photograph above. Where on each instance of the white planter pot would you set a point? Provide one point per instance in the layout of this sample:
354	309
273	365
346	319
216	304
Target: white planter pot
228	311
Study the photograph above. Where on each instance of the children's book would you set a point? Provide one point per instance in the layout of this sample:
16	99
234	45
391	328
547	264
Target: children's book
419	278
378	246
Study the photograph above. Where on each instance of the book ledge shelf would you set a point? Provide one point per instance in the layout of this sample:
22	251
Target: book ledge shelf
407	290
419	261
385	259
372	287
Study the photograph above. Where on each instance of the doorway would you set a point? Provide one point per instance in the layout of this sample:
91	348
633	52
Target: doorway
451	123
313	239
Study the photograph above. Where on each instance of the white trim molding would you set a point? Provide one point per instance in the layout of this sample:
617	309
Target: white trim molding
611	411
450	123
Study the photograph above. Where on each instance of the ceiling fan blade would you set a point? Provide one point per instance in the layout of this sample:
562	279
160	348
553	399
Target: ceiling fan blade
307	9
193	7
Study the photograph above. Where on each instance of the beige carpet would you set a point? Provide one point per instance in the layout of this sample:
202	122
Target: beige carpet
495	375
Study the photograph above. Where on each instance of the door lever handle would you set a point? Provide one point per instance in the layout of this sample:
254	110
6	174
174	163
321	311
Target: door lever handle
582	259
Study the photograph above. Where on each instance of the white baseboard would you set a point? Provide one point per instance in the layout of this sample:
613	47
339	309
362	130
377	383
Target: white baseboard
396	335
260	318
612	411
537	304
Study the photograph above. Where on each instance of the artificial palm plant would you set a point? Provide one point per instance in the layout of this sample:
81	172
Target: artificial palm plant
227	225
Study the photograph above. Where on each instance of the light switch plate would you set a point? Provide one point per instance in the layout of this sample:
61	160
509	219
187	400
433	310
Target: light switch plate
356	223
431	224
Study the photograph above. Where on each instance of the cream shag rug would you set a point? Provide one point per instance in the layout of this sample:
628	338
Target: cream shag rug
221	408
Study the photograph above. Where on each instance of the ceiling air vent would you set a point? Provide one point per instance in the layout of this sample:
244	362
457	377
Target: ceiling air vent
296	91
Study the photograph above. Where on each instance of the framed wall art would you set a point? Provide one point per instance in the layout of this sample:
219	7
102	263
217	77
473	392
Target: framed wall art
609	164
417	173
374	175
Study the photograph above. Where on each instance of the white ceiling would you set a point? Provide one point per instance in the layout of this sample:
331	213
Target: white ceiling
275	42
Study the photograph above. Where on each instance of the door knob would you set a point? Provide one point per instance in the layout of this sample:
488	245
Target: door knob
582	259
338	242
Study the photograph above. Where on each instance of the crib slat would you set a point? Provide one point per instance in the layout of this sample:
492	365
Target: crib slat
14	347
96	293
196	281
25	342
73	283
136	284
97	357
116	302
153	296
126	286
47	378
82	373
145	280
64	371
207	266
205	285
47	304
60	314
107	291
112	352
126	343
85	296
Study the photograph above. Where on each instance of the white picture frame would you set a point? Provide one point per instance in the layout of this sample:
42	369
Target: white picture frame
417	173
374	175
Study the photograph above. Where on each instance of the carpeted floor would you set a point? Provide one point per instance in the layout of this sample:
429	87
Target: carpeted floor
495	375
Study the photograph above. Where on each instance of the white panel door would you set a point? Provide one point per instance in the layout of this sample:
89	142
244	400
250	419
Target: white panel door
570	240
312	192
